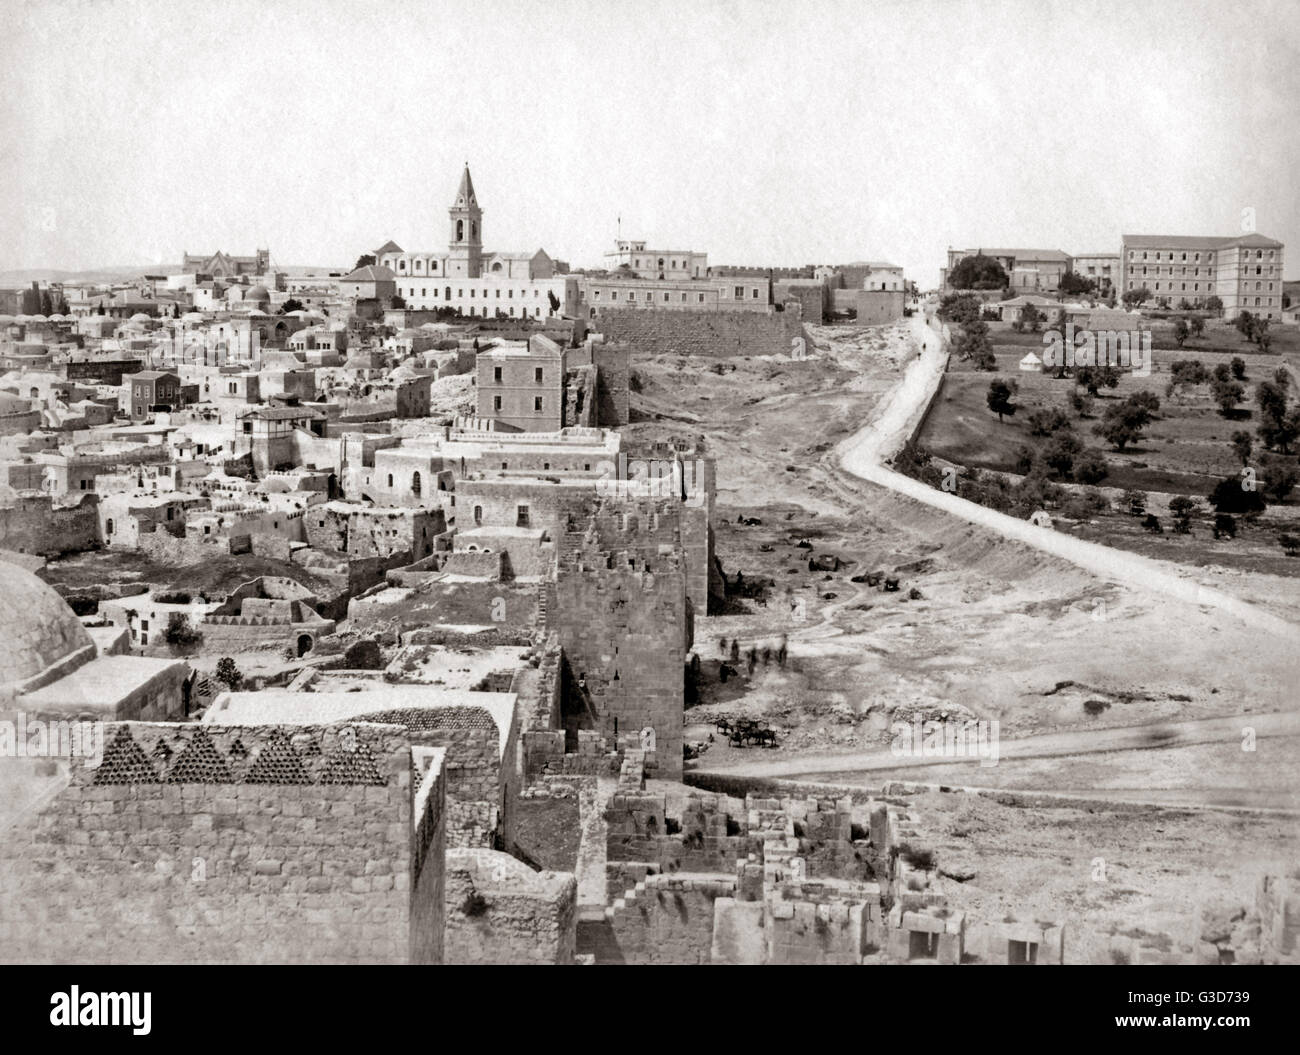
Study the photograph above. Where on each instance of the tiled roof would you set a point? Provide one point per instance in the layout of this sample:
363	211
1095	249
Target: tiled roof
1027	254
1178	241
370	273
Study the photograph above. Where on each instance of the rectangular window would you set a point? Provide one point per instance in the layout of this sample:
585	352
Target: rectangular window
521	516
740	292
537	374
496	374
537	404
496	402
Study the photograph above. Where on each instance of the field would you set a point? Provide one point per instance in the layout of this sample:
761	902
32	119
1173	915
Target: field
1185	451
996	626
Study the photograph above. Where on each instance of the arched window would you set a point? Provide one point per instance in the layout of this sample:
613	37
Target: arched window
460	230
390	479
473	232
478	516
108	526
415	483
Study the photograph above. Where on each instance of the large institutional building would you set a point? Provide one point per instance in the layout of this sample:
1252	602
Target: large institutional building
223	265
478	283
1030	270
1245	272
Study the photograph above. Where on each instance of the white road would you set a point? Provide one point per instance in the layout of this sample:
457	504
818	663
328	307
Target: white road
865	453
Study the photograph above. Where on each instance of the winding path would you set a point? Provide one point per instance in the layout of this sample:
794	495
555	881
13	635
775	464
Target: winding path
865	455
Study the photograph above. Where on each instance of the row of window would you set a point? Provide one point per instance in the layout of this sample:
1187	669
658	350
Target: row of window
539	374
537	408
613	295
738	293
1245	255
1266	272
473	293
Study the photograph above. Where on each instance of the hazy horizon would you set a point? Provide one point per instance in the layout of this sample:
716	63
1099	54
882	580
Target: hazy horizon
759	133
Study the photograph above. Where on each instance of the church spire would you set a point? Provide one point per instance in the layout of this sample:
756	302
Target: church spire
465	193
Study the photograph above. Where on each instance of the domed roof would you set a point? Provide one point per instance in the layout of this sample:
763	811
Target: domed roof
139	316
257	292
37	629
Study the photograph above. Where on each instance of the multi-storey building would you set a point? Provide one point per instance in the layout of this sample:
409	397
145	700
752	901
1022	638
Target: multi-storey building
1102	268
1030	270
634	257
732	293
475	282
522	385
1245	271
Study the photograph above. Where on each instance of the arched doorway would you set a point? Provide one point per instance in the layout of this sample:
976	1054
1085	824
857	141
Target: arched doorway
304	644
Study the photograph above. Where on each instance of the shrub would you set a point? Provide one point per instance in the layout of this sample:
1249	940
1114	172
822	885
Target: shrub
228	674
474	905
917	857
181	632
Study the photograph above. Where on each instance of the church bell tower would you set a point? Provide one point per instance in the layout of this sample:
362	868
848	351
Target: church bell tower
465	250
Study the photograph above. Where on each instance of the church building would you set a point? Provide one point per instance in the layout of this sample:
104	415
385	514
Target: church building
479	283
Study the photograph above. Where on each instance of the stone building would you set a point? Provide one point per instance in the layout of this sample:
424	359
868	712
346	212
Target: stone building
233	844
1030	270
475	282
522	385
1245	271
151	390
633	258
221	265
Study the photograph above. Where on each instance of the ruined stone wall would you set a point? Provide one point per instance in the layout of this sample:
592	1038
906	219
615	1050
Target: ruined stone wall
199	844
379	532
162	546
720	333
501	912
34	524
580	397
666	919
813	930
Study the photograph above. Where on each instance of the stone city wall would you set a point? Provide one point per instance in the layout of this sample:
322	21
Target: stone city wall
720	333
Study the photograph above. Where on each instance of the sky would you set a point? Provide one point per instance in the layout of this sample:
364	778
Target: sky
764	133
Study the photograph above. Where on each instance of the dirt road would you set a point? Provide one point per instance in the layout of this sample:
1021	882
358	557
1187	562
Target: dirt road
864	455
1081	742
